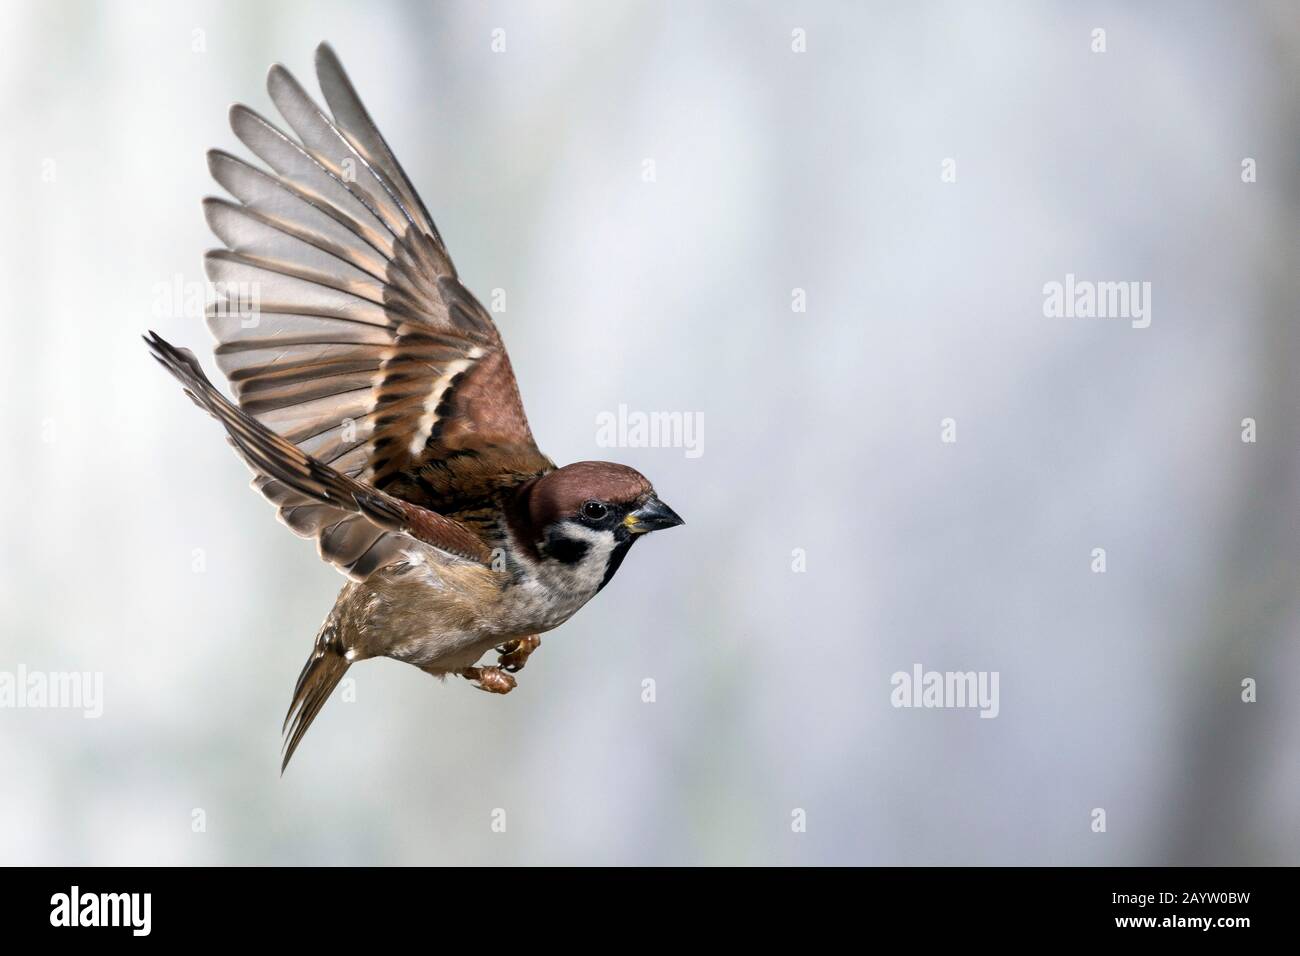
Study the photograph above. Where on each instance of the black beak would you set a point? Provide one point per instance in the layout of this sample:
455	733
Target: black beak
654	515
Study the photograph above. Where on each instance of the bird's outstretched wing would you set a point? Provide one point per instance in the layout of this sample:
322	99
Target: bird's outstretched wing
358	527
340	321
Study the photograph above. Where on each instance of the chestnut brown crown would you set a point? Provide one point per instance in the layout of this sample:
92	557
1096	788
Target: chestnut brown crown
599	494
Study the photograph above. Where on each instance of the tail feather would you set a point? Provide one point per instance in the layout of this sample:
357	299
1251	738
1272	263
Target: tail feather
320	675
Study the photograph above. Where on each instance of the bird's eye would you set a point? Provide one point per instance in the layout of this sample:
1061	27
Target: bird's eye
594	510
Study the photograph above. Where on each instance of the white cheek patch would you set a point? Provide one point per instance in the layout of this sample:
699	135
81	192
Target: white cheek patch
589	572
546	593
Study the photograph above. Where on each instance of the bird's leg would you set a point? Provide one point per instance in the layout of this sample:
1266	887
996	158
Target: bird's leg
514	654
491	679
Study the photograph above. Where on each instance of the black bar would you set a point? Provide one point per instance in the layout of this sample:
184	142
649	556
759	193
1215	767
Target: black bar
332	906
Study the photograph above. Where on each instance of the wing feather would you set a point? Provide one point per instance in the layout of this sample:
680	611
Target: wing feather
340	320
357	527
360	129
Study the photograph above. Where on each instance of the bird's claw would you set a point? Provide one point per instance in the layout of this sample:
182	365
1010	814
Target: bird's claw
514	654
493	680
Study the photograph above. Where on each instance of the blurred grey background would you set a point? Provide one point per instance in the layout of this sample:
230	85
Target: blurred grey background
133	547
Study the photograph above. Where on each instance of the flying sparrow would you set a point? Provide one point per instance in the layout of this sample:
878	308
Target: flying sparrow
377	409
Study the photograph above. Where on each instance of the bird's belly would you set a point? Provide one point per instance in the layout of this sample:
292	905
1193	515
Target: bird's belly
443	619
519	613
443	652
434	616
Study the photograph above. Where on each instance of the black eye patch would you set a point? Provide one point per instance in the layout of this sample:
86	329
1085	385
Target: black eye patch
567	550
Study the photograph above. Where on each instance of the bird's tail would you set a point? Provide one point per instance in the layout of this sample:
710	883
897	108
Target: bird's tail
320	675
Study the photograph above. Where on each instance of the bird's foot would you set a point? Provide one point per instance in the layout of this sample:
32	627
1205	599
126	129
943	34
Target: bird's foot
512	655
491	679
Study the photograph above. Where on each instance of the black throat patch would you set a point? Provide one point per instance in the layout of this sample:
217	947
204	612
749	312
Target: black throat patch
615	559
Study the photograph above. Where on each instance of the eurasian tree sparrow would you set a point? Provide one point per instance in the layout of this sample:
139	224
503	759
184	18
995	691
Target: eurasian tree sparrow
378	411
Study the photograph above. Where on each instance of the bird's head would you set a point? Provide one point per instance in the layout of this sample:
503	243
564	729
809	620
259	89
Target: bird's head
588	514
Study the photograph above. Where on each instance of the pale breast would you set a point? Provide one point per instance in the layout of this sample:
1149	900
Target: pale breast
443	614
545	593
